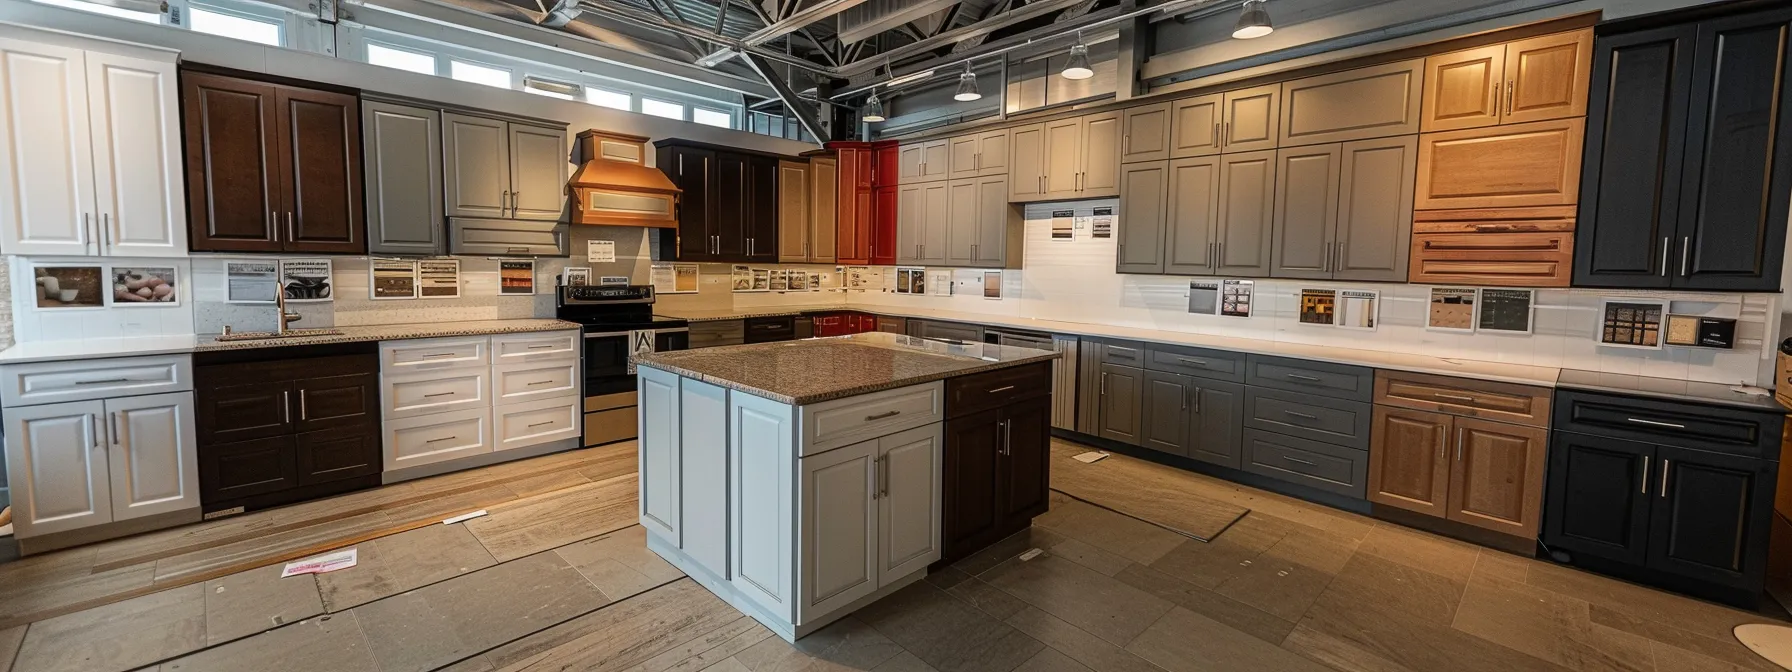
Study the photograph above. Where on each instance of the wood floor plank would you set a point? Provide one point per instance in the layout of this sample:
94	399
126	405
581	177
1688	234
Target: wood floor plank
1143	490
118	637
10	639
623	634
711	648
556	519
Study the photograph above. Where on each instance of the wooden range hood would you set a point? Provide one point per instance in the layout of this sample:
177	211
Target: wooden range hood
614	186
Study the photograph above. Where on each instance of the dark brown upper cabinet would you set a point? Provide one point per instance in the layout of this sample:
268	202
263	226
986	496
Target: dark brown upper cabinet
271	167
728	206
1688	164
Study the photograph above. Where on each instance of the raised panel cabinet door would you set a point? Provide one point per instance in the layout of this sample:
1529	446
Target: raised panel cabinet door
824	209
58	467
961	156
1463	89
883	244
134	113
971	468
908	163
1193	217
336	401
1374	231
1738	164
538	168
1247	210
1164	417
1195	126
934	160
697	475
1513	165
1026	456
1306	212
475	166
1101	156
234	178
1142	206
961	221
1063	157
659	404
762	464
1496	478
693	171
320	144
1370	102
1546	77
153	454
992	153
910	209
46	154
336	454
1122	406
1710	515
1599	493
934	221
236	410
852	217
793	212
908	502
990	247
1145	133
1409	460
761	220
232	471
730	196
1026	174
1630	177
839	537
1253	118
403	166
1216	431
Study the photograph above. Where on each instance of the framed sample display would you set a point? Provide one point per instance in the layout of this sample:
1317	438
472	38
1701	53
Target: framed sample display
1631	323
1451	309
1504	310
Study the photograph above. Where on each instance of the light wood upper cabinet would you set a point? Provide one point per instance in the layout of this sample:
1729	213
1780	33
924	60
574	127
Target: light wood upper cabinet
824	209
794	215
1253	118
1195	126
1306	211
1500	167
1143	198
1026	178
1145	133
1516	82
1247	211
923	161
1370	102
1192	220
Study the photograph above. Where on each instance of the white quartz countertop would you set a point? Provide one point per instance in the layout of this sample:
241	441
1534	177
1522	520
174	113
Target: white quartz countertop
100	348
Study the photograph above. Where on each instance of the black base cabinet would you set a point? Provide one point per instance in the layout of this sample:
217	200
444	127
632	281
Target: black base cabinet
997	471
1682	499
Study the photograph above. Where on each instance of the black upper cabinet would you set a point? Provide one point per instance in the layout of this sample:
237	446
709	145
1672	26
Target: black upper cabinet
692	169
728	208
1688	165
759	227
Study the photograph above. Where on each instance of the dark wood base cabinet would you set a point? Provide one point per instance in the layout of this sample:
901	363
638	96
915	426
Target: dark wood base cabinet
997	472
278	431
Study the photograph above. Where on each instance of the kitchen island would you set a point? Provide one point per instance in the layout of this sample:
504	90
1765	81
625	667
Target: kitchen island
802	480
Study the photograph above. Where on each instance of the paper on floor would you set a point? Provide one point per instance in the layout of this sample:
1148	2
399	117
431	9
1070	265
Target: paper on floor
464	517
328	562
1090	457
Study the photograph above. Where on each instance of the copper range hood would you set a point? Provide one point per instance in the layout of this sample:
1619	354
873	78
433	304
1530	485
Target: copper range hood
614	186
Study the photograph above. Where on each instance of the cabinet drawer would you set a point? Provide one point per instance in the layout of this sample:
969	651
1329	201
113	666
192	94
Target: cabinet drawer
434	353
983	391
534	380
831	424
1124	353
508	348
1333	380
50	382
1503	259
1309	416
1687	425
1198	362
1506	402
1309	463
412	394
712	334
536	422
437	437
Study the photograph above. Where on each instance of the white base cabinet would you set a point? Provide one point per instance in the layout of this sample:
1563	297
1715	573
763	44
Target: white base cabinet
747	497
451	398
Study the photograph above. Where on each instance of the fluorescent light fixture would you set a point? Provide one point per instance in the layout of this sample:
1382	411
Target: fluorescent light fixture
553	88
899	81
1253	21
967	86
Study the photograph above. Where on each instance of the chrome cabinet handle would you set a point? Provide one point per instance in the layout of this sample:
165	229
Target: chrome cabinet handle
1214	140
285	407
1454	397
1104	382
1196	362
290	236
303	414
1226	133
1665	246
445	438
106	229
1656	423
538	424
1665	463
102	382
887	414
1297	460
112	419
877	476
503	197
274	224
1685	253
1000	389
513	196
1458	444
1303	416
539	382
438	394
1310	379
93	433
86	229
541	347
1508	98
1643	487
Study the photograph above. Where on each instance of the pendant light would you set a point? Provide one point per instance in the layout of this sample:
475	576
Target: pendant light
1078	65
874	109
967	86
1253	21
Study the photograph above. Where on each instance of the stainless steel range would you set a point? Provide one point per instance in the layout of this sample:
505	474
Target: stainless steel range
618	321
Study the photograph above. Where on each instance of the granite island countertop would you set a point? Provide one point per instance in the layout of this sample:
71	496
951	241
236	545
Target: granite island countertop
99	348
820	369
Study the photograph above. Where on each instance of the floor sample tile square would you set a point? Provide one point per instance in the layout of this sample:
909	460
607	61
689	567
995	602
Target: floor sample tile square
946	633
1050	660
1091	651
552	520
619	563
401	562
846	644
623	634
1184	641
119	636
246	603
333	643
1243	617
1085	598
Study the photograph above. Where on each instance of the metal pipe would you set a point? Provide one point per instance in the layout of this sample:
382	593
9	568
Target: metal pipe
645	19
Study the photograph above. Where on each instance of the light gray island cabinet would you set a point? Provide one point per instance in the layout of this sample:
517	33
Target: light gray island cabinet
800	480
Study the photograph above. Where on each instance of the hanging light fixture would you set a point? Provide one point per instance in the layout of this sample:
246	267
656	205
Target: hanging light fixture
1253	21
874	109
1078	65
967	86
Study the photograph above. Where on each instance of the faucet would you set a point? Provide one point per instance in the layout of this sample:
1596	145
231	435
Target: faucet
280	305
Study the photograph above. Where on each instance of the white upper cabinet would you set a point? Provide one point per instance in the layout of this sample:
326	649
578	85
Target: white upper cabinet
89	159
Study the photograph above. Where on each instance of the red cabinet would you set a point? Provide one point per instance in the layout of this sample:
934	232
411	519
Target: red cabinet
854	215
843	323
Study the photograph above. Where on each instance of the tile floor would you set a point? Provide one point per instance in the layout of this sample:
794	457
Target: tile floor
1291	586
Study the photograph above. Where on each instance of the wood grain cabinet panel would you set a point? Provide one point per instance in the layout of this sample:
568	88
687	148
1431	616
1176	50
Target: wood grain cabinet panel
1490	400
233	163
1145	133
1463	89
1409	465
1496	479
824	209
1499	259
1358	104
1515	165
794	216
1195	126
320	146
1546	77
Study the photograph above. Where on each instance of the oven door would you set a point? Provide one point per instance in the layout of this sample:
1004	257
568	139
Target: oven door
606	363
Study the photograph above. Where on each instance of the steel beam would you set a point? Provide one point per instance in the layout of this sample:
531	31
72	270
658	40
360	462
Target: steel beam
775	28
650	20
805	113
979	28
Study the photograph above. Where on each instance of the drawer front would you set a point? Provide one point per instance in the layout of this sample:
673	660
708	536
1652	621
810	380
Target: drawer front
51	382
983	391
507	348
1506	402
1333	380
424	392
1198	362
1697	426
712	334
535	422
1309	416
534	380
434	353
832	424
1502	259
1124	353
1309	463
437	437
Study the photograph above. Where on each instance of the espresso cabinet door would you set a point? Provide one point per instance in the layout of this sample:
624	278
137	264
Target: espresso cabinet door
1409	461
1247	210
336	454
336	401
1374	230
973	445
693	171
1496	478
730	190
234	175
238	410
320	148
1306	211
762	209
1026	461
1599	496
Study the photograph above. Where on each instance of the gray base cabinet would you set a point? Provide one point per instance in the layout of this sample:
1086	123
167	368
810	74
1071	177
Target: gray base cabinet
402	147
1192	417
1122	391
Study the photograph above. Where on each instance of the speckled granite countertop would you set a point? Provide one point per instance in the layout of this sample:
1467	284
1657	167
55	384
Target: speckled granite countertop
813	370
719	314
98	348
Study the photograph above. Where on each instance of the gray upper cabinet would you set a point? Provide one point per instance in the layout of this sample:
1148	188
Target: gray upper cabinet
1063	158
1192	218
978	222
977	155
1145	133
961	157
1101	156
1142	201
923	161
403	171
1372	102
1375	191
1026	174
922	213
1195	126
1306	211
495	168
1247	207
1078	157
961	221
1252	118
538	166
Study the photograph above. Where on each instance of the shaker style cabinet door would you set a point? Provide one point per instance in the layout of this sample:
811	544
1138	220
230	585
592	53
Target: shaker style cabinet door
59	468
1063	157
1164	419
1372	102
1464	89
234	174
1253	118
476	165
1192	218
1247	210
990	245
961	221
1142	201
1121	389
824	209
47	201
992	153
1711	513
961	156
1600	493
908	502
839	534
403	166
1026	176
794	225
1025	484
538	165
320	147
1100	169
1216	432
1195	126
1374	232
1306	212
1145	133
134	113
153	454
971	469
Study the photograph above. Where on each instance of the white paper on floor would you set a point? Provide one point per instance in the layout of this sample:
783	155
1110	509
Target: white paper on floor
328	562
464	517
1091	457
1030	554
